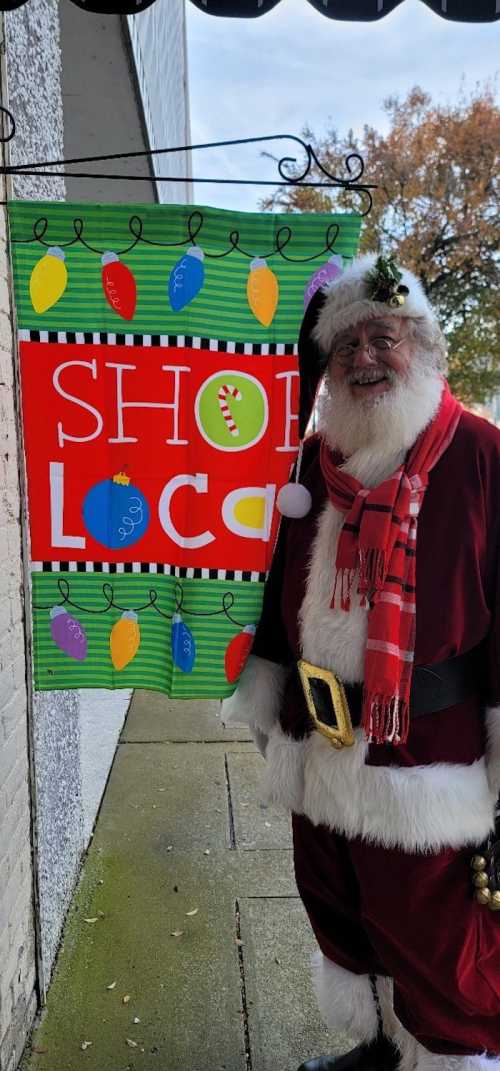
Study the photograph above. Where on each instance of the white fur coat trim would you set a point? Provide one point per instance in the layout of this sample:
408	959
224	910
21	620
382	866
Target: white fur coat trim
345	1000
493	748
418	808
257	699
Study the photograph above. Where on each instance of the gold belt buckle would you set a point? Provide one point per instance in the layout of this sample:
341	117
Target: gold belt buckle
342	734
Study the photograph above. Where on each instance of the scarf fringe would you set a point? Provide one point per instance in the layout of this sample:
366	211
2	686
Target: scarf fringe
346	577
373	569
386	719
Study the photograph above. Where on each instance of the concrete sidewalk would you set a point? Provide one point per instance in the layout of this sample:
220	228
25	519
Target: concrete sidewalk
186	946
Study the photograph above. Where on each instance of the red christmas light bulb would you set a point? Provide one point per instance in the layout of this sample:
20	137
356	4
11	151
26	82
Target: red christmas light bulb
119	286
237	653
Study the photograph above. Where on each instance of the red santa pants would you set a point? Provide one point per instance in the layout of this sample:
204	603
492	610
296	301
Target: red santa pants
412	918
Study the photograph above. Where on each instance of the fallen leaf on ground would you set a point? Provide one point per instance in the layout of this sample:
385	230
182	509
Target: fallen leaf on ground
85	1045
38	1049
91	920
207	851
132	1044
268	824
278	961
169	847
101	915
177	933
112	986
126	998
193	912
136	1020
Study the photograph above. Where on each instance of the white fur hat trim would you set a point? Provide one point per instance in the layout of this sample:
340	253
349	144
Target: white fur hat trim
347	302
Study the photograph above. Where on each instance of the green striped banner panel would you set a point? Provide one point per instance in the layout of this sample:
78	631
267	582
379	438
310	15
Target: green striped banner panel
149	241
183	637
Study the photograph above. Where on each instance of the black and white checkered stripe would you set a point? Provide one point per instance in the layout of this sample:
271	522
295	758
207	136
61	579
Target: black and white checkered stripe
215	345
182	572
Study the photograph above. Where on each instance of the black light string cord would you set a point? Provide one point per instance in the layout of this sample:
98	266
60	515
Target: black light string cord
290	171
195	223
63	587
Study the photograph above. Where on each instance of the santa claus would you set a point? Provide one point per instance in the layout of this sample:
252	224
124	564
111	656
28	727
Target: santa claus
373	687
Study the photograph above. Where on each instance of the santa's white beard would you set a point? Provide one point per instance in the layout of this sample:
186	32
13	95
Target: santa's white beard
388	423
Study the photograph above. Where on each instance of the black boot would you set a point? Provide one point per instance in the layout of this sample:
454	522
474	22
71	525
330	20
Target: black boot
377	1055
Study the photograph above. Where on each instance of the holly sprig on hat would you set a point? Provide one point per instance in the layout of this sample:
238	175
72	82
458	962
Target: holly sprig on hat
384	284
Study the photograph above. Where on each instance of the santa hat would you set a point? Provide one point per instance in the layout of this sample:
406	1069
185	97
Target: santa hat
372	287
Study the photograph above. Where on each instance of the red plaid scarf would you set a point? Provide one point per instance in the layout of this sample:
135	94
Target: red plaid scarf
378	538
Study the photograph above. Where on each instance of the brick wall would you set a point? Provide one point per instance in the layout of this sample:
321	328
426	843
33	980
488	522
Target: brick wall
17	942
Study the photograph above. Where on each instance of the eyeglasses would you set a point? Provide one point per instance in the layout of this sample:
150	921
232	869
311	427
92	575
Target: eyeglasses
377	347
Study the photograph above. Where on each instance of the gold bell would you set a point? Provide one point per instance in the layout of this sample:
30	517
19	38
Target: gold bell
478	862
494	901
480	879
396	300
483	896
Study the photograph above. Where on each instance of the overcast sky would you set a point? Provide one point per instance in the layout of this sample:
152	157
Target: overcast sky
293	66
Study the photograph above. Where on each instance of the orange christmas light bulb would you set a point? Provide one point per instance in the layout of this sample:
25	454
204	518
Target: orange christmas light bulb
262	291
124	640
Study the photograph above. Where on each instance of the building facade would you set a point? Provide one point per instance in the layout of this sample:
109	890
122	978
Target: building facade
79	84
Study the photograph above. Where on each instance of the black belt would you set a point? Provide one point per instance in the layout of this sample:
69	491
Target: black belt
433	688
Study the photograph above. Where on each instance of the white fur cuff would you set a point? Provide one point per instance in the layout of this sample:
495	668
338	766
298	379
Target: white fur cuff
345	1000
283	782
257	699
433	1061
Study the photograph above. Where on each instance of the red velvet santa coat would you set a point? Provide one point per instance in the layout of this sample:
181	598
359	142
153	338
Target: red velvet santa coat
383	835
437	790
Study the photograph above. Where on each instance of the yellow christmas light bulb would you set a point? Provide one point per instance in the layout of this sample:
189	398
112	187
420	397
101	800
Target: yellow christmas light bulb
124	639
49	279
262	291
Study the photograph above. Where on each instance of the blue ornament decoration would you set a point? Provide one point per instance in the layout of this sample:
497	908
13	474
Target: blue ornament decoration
115	512
183	645
186	278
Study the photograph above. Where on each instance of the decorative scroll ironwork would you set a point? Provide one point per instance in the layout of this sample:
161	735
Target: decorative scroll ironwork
291	171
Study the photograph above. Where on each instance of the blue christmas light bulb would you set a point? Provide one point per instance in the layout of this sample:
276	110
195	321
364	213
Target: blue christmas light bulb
186	278
183	645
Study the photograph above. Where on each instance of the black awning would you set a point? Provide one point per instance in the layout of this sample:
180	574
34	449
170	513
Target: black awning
357	10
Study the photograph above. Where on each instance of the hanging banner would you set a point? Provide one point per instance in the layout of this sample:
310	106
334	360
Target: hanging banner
158	362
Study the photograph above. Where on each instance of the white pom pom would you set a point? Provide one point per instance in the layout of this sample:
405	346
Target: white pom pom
293	500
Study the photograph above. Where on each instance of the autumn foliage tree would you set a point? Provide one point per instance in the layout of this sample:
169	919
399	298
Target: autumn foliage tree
436	209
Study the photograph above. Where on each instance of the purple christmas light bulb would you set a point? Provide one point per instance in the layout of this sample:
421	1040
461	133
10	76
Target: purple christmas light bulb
322	276
68	634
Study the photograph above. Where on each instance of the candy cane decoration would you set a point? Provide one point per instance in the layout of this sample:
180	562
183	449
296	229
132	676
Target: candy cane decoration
228	391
